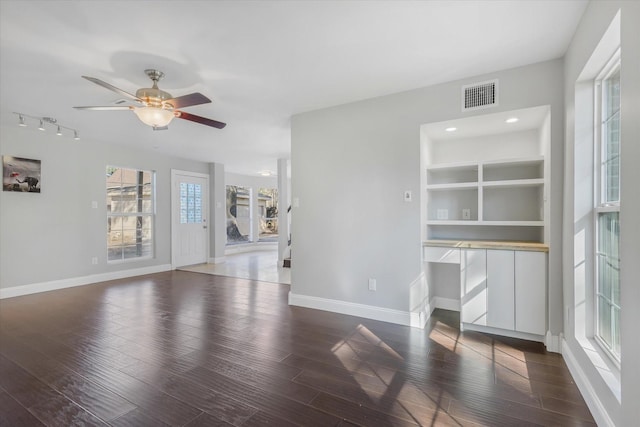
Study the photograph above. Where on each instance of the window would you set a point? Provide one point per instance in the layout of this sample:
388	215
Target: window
607	210
130	213
238	214
268	206
190	203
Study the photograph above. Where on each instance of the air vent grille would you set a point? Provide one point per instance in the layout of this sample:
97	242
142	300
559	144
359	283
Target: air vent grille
480	95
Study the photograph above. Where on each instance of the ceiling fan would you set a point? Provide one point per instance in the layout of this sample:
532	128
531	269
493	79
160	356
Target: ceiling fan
156	107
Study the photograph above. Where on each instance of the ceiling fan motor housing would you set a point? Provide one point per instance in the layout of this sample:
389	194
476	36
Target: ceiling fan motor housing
154	97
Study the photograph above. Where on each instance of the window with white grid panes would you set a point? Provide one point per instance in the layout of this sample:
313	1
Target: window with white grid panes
190	203
607	211
130	213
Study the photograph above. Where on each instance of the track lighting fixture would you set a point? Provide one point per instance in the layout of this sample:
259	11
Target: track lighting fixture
46	120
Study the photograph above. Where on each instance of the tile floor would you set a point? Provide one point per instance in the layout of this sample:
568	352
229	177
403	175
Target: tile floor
256	265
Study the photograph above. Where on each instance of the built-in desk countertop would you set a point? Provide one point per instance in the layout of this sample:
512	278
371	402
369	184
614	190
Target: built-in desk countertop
488	244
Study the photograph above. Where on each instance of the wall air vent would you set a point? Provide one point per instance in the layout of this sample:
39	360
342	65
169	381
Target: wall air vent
480	95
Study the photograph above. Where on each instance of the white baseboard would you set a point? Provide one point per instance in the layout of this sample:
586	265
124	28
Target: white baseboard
53	285
445	303
597	408
553	343
353	309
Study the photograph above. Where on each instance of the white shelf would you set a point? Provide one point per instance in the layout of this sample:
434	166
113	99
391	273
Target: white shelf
521	161
513	223
453	186
515	183
453	166
487	223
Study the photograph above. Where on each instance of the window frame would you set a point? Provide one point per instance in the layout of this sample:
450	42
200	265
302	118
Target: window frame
601	205
151	214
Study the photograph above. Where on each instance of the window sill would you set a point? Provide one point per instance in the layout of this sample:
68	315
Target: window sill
607	370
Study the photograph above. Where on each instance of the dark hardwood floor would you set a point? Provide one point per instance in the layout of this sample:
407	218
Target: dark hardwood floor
189	349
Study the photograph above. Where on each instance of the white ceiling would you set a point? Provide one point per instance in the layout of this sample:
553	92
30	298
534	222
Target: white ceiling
259	61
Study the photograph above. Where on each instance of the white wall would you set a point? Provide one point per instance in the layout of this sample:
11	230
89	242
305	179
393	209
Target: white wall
350	167
578	223
53	235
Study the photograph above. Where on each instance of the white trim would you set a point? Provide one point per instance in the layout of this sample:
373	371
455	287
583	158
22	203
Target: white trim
553	343
53	285
217	260
501	332
353	309
589	395
445	303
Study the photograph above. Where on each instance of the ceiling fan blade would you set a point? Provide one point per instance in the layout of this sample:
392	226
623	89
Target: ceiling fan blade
113	88
106	107
188	100
198	119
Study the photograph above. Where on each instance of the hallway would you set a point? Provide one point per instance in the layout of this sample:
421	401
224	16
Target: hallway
259	265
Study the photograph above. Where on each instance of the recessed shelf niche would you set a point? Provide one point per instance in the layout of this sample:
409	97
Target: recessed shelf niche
497	172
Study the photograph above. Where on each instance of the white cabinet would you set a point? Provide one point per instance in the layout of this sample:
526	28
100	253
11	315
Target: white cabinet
530	292
473	286
501	289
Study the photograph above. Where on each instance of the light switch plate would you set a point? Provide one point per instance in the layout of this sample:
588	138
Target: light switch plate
407	196
466	213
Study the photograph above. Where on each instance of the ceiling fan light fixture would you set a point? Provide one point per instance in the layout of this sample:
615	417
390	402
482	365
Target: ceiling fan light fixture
154	116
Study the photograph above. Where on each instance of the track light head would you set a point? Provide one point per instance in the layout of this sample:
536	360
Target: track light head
50	120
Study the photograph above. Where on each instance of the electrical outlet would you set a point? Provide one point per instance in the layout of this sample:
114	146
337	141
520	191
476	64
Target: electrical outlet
466	213
94	260
372	284
442	214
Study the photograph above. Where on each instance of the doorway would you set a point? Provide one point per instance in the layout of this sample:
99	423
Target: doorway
189	218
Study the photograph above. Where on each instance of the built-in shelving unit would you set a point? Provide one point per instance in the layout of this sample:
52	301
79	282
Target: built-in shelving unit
488	185
485	219
508	192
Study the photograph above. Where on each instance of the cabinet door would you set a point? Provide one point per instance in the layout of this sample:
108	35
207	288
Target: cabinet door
473	286
531	292
500	289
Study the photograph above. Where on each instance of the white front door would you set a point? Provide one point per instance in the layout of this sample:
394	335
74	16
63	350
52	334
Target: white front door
189	218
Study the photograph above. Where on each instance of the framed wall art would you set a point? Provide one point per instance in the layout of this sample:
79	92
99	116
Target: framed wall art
21	175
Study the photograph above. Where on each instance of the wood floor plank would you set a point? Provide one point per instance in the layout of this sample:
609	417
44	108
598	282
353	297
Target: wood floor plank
136	418
356	413
275	404
14	414
207	420
179	348
221	405
90	396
